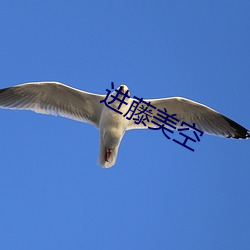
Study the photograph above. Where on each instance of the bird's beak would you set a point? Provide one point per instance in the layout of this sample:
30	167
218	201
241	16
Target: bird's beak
122	88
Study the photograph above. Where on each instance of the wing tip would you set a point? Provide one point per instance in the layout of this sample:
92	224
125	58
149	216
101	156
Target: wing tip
239	131
248	135
241	135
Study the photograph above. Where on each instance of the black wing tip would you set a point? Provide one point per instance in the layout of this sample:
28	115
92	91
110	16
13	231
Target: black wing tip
248	135
239	131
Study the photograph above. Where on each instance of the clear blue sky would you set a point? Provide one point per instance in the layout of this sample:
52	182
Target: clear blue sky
159	195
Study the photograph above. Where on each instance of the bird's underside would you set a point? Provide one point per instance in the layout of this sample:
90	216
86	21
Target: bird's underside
59	99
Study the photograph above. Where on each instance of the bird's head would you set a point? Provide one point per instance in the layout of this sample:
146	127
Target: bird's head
123	88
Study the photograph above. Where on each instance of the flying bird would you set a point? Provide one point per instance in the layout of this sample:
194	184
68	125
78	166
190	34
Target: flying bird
55	98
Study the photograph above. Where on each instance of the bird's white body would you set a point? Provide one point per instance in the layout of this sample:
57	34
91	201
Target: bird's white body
112	127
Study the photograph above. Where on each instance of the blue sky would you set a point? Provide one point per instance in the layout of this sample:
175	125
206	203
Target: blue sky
159	195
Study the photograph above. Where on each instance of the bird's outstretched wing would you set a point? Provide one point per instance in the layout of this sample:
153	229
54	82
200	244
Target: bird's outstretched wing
53	98
206	119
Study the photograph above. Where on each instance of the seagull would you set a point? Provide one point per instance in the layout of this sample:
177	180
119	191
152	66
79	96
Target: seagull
106	113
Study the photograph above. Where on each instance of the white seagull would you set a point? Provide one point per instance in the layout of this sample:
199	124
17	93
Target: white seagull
55	98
